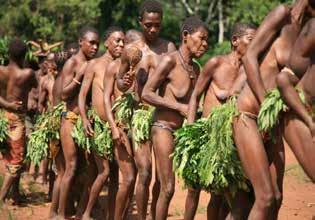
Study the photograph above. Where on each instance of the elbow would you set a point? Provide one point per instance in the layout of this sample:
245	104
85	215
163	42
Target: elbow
146	96
64	96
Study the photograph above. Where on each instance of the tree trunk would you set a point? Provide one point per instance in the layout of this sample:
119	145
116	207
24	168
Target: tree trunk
221	22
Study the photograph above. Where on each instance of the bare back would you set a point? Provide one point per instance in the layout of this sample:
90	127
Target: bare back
20	82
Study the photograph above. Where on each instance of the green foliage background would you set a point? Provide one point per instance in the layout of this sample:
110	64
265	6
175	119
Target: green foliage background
56	20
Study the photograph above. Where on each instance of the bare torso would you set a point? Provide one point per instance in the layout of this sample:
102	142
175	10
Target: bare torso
178	87
150	59
99	67
72	102
222	81
274	60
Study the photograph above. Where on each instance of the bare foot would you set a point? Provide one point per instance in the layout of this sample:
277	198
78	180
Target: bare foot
41	179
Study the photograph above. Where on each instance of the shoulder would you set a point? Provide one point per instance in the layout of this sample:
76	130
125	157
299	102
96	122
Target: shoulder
167	44
214	61
113	66
169	59
281	11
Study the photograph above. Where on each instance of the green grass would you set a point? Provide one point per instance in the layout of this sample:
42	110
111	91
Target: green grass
296	171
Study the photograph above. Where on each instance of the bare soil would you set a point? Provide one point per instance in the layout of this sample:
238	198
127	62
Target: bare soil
298	202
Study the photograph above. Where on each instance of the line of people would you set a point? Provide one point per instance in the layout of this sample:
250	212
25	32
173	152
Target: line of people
279	53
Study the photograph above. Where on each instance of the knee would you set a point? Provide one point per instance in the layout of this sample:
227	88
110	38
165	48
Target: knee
130	179
168	190
282	80
278	199
266	200
103	176
144	176
70	168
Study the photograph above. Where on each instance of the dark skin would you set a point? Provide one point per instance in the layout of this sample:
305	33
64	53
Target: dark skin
175	85
33	106
19	82
152	48
122	146
94	77
263	163
297	132
286	81
222	77
45	98
72	75
59	159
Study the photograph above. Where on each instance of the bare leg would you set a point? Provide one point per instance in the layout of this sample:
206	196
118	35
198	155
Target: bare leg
42	172
60	165
70	153
286	83
191	204
241	205
103	172
155	195
299	138
163	147
256	166
31	171
144	165
214	206
88	180
7	183
113	189
123	154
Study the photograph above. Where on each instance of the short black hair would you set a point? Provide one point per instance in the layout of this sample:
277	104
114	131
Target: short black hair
239	29
73	45
133	35
191	24
87	29
150	6
17	49
111	30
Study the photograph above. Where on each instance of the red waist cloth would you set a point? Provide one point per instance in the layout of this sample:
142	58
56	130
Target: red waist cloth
16	139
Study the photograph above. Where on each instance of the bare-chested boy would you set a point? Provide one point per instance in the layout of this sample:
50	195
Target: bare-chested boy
94	77
59	158
152	48
72	75
122	147
264	166
175	79
19	82
222	78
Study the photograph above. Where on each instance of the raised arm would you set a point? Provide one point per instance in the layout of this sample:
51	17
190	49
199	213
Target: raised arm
109	82
307	45
201	84
71	79
85	88
264	37
160	74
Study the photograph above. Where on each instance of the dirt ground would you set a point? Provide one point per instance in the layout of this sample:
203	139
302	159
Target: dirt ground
298	202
